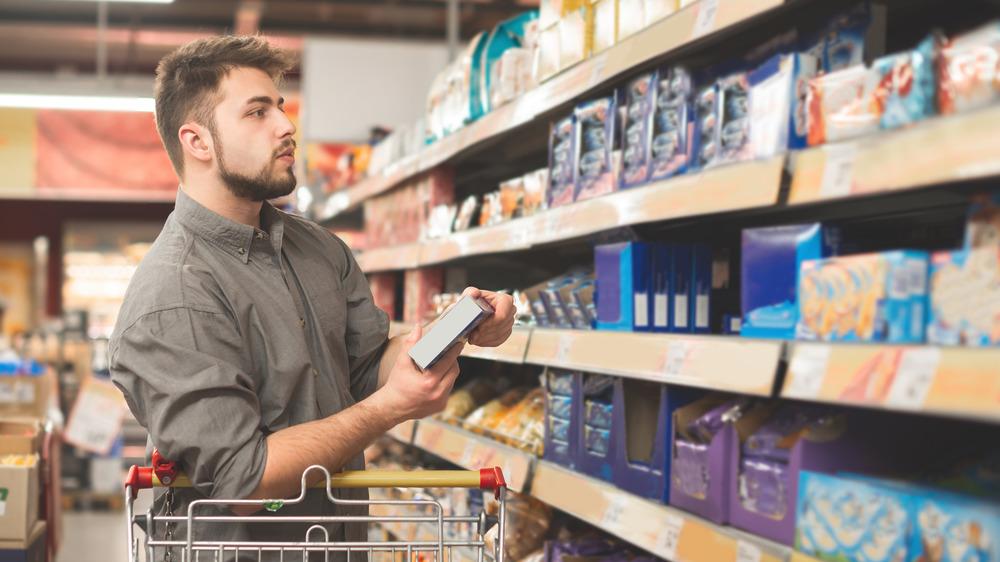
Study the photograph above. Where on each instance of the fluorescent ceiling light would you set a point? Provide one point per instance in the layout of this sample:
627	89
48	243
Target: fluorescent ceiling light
89	103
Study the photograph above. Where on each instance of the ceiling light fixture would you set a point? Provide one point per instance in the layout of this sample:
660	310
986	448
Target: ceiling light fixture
86	103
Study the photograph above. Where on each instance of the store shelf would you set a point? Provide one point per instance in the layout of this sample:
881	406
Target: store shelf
725	363
940	150
739	186
90	195
682	28
953	381
472	451
665	531
388	259
799	557
404	431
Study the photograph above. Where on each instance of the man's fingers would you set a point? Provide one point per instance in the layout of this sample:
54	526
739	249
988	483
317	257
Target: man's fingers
413	336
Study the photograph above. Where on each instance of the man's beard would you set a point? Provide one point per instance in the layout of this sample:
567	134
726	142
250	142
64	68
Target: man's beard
262	186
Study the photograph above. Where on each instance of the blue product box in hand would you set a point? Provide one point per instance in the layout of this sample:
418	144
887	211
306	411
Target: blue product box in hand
562	162
596	123
672	124
772	257
637	130
622	286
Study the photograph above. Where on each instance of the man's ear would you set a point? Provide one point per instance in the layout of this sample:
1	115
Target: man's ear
196	141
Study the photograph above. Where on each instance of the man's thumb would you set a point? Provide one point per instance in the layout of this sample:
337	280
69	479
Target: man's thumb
414	336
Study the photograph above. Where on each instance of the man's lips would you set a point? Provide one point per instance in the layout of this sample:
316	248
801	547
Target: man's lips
288	155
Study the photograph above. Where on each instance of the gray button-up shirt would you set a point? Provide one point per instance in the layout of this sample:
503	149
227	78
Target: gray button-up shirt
229	333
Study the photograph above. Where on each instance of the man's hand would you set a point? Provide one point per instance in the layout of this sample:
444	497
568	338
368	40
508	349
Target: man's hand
496	329
411	393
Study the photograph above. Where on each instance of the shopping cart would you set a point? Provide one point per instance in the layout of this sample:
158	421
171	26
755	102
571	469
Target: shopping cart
316	545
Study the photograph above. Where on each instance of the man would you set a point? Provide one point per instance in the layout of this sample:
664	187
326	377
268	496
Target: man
248	343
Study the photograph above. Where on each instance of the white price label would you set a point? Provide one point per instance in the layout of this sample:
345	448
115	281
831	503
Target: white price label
680	311
470	449
565	345
677	353
96	418
612	517
670	536
839	170
598	70
914	378
807	370
746	552
660	306
707	10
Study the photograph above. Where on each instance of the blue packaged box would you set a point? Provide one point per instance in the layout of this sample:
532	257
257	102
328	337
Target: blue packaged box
661	266
672	123
732	324
965	297
733	119
682	287
850	38
701	288
907	85
622	272
637	131
778	110
562	162
562	417
842	518
593	443
953	528
769	274
705	132
596	123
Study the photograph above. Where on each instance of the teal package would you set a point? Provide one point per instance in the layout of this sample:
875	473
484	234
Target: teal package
906	295
907	85
509	34
474	58
844	519
953	528
622	277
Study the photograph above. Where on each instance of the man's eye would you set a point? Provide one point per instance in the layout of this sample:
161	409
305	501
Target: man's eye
257	113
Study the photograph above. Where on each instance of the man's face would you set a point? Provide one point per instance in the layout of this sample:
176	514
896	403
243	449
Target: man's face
253	137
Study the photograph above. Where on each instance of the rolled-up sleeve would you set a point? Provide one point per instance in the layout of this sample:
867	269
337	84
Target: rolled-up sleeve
183	375
367	328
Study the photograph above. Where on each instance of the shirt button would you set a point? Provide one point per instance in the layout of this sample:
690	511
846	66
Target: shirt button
240	250
260	236
302	321
315	373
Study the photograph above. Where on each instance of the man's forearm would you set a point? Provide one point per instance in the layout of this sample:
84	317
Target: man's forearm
330	442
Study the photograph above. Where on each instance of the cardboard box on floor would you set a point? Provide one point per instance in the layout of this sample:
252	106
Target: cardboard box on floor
26	395
18	501
31	549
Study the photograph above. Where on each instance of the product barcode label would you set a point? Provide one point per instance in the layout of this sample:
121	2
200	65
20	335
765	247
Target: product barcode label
641	310
660	312
746	552
807	370
707	10
670	536
680	311
839	170
613	514
701	311
676	358
914	378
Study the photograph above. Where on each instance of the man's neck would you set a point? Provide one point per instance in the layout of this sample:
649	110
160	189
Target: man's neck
220	200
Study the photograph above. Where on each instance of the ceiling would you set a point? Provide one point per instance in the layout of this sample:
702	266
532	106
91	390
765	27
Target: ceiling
61	37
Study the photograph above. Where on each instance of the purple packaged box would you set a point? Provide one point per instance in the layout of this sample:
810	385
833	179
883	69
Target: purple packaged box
637	130
774	439
590	458
713	463
562	164
670	145
734	119
559	406
560	383
596	124
763	487
596	440
559	429
689	469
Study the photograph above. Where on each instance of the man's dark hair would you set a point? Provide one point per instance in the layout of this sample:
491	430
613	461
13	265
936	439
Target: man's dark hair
187	83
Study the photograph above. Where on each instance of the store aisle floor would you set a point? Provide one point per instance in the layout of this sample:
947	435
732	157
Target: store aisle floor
96	536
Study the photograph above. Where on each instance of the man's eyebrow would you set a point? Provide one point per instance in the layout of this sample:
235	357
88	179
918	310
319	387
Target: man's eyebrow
264	99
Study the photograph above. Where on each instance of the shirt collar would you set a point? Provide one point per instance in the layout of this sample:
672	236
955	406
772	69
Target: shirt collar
232	237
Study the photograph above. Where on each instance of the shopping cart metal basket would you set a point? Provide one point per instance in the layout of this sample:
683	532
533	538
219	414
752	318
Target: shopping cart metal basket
316	545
